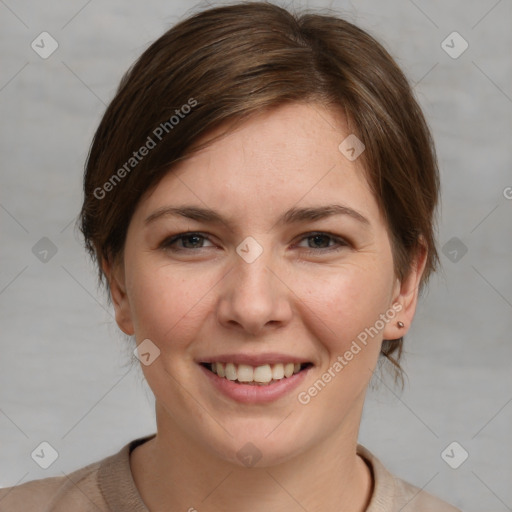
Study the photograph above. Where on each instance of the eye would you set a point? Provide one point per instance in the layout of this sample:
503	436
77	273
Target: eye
321	238
194	240
191	238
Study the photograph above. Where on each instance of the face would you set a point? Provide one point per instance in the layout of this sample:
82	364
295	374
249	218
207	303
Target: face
262	288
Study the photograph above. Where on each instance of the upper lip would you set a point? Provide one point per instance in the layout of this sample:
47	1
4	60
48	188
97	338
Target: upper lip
254	359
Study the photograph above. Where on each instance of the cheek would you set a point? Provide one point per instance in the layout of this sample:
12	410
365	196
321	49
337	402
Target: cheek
342	316
167	305
333	304
346	303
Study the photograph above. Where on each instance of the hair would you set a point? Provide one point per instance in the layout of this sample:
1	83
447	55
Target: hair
220	67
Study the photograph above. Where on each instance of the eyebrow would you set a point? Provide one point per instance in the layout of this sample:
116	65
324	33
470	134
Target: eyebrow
292	216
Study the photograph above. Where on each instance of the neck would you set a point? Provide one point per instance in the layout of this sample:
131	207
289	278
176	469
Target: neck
173	471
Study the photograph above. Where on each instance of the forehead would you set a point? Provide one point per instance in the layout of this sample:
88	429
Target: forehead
284	135
283	157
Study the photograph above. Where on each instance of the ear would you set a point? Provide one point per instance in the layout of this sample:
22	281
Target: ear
116	279
405	296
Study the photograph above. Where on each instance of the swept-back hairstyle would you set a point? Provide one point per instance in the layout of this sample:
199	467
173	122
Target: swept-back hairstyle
226	64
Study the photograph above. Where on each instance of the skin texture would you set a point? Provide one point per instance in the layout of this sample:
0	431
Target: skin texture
199	298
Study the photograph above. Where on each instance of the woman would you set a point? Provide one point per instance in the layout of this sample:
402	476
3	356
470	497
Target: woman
242	141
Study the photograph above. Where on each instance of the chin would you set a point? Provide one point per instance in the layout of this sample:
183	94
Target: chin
259	443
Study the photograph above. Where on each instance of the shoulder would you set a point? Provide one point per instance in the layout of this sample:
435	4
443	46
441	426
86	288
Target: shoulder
412	498
77	491
392	494
102	486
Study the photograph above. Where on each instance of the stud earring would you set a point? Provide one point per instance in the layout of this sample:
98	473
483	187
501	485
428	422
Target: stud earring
401	325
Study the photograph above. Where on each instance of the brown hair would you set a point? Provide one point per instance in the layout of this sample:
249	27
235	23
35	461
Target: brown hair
228	63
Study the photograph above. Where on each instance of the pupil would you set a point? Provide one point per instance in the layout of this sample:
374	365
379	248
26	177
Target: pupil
317	237
191	237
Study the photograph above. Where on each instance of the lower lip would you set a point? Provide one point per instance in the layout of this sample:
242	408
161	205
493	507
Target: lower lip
255	394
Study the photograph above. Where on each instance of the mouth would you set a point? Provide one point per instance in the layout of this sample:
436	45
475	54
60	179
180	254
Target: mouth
262	375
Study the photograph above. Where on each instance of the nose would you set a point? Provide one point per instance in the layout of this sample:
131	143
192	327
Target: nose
254	297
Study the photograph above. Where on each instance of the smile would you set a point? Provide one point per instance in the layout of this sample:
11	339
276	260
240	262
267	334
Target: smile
262	375
259	383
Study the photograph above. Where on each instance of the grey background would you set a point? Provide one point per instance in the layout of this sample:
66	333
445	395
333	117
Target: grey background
64	365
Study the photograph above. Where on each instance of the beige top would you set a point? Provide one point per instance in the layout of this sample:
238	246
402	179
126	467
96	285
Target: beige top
107	486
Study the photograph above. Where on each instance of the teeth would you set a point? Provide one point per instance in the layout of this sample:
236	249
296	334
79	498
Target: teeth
263	374
288	369
245	373
219	370
277	371
230	371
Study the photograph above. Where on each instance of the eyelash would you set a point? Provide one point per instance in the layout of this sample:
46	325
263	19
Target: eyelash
170	241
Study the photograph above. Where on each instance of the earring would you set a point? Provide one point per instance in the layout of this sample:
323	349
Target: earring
401	325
